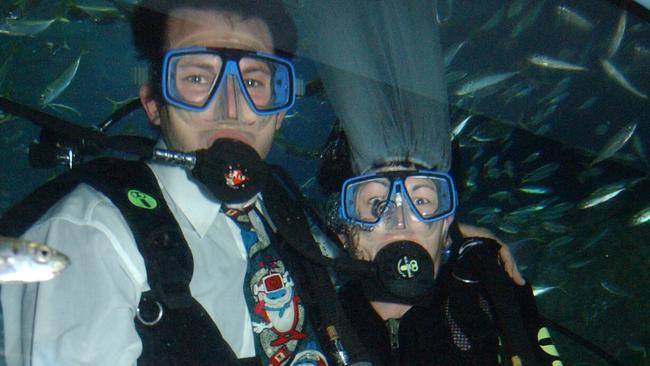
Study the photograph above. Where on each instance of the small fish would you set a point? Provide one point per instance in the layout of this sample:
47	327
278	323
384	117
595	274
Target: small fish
527	20
442	12
617	37
640	217
26	27
553	63
614	289
454	76
540	173
588	103
64	109
535	189
532	157
615	143
485	211
639	149
55	88
602	194
563	240
484	82
508	228
554	227
98	14
541	290
451	52
572	17
612	71
516	6
580	263
27	261
492	162
117	104
459	127
494	20
502	196
595	239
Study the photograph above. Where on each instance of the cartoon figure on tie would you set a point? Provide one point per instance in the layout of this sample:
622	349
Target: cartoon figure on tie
282	316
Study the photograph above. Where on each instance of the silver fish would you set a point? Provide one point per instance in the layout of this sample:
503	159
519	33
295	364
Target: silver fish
614	289
574	18
55	88
531	189
442	12
588	103
617	38
527	20
459	127
558	242
532	157
27	261
64	109
603	194
554	227
640	217
455	76
615	143
580	263
452	51
639	149
540	173
595	239
515	7
541	290
616	74
25	27
483	82
553	63
494	20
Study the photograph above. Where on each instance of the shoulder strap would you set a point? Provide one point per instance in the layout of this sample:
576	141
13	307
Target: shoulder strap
174	327
285	206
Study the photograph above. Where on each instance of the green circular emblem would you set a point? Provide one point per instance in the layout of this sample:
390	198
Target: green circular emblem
142	200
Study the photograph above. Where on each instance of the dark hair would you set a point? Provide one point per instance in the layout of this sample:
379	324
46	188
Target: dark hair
149	24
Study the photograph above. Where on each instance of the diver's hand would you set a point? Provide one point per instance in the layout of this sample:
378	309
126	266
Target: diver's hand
507	260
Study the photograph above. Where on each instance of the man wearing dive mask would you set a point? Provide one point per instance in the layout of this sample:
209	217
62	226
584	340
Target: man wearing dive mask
165	273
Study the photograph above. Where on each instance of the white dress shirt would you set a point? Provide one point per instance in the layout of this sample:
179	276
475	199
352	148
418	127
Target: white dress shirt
85	316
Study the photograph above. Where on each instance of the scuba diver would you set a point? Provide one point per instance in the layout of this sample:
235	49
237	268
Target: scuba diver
440	298
177	268
437	298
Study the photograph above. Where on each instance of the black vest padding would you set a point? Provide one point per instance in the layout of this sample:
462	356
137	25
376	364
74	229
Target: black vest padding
185	335
283	202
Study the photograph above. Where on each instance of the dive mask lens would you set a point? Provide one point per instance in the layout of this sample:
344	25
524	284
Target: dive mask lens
429	195
192	77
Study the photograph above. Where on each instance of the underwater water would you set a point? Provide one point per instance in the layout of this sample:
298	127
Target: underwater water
546	163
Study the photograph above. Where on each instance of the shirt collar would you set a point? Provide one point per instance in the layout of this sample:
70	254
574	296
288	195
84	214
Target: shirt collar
199	206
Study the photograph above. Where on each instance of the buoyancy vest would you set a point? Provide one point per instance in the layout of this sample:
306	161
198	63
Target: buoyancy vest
173	326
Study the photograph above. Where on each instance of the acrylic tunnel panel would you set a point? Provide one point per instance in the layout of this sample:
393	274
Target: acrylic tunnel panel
548	100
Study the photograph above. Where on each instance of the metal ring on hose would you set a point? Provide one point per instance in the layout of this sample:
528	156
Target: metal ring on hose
153	322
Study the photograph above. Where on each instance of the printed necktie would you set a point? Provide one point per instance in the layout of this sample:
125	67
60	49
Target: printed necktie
283	334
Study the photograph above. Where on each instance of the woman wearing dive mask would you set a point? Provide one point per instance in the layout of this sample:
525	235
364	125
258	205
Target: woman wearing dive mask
425	306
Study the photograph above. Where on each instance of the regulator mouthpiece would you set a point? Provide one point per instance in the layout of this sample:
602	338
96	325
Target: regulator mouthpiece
231	170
